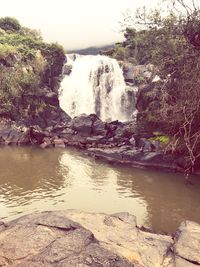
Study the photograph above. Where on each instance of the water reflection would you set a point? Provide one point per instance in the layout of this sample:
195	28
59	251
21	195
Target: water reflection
169	200
32	179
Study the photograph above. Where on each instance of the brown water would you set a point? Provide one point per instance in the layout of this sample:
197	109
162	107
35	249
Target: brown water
32	179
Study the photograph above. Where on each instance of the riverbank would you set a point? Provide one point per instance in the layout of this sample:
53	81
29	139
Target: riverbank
113	142
74	238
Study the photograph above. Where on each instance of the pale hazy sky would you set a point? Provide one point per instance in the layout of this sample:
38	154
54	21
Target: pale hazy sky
72	23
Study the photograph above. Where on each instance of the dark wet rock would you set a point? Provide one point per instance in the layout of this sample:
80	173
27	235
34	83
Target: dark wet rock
109	154
145	145
67	69
63	131
51	98
111	128
83	123
51	116
124	132
144	97
136	158
97	139
131	99
88	125
37	135
99	127
77	141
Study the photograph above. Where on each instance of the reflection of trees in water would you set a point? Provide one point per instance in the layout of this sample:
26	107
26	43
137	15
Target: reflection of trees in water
169	200
25	170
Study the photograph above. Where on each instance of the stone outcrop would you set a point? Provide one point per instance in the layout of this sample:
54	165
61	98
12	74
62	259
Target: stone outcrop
73	239
137	74
187	244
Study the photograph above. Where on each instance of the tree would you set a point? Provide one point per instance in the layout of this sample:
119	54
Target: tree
9	24
27	66
171	41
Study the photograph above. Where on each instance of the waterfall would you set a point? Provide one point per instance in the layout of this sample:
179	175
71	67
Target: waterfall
95	85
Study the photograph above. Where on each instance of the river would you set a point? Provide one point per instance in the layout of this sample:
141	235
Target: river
32	180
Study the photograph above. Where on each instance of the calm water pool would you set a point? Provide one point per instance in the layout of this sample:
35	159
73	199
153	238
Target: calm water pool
32	179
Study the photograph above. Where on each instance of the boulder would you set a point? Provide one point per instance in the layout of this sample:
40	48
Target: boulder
187	242
111	128
67	69
99	127
77	141
58	142
97	139
128	155
145	145
37	135
24	137
12	133
125	131
75	238
83	124
136	74
52	239
51	98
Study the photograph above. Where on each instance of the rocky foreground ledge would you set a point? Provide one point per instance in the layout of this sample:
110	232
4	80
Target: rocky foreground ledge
79	239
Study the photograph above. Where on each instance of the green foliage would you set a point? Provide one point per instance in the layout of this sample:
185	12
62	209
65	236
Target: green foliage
7	50
16	84
31	32
163	139
27	64
10	24
172	43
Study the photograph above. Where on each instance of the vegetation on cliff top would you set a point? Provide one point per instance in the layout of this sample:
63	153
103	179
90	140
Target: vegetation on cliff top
171	41
27	65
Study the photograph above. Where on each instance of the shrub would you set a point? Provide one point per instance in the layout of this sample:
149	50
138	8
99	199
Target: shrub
10	24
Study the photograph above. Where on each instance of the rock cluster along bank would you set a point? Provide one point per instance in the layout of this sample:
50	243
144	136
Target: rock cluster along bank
114	142
79	239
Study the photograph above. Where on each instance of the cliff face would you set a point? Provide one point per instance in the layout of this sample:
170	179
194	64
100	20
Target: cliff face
30	71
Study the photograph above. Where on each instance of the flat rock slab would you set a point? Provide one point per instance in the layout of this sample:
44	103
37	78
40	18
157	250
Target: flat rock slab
187	245
52	239
79	239
132	157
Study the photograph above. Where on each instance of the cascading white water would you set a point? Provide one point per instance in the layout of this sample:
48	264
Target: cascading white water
95	85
